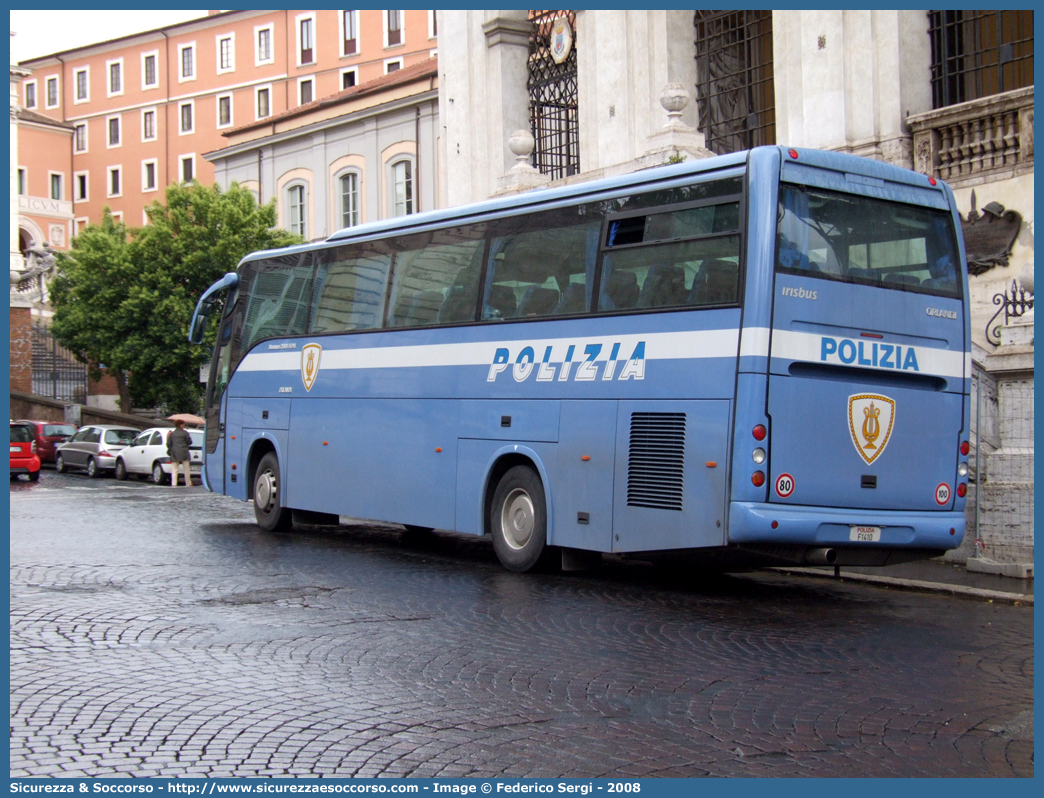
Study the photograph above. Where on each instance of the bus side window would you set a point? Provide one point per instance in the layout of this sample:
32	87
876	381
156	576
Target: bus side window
542	264
435	276
280	289
700	272
350	289
672	258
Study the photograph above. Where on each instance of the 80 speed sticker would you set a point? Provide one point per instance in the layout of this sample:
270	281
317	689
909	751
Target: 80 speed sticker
784	485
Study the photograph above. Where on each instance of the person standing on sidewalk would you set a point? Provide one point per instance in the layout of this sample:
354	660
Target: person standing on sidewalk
178	448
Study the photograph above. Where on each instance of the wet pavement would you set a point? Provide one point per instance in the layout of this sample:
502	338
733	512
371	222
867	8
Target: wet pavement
158	632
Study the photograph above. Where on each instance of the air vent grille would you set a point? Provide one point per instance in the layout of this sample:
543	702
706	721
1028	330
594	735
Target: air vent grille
656	461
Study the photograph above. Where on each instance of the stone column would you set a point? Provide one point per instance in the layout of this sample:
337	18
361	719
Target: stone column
21	340
846	80
482	98
507	40
1006	481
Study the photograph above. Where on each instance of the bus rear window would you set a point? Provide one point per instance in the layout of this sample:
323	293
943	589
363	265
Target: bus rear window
856	239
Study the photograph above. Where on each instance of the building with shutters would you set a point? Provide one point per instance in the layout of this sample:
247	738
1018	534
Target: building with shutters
140	111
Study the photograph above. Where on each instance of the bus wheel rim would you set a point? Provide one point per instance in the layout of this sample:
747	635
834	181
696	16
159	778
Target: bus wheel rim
518	519
265	490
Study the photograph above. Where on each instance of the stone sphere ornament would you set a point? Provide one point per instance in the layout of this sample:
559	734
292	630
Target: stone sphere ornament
521	143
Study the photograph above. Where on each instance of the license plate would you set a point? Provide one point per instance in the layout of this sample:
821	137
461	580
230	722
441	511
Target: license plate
864	534
15	449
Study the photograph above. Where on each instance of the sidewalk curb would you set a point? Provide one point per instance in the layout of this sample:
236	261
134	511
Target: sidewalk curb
1025	599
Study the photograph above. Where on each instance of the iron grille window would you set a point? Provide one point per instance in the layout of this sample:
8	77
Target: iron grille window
553	107
735	92
979	53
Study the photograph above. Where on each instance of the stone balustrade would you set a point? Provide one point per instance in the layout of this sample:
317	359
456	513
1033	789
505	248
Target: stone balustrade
965	144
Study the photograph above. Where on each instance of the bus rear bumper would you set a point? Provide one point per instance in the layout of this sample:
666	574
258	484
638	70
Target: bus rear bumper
751	522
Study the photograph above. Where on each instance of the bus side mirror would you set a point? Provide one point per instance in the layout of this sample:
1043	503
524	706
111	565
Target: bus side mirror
206	304
199	321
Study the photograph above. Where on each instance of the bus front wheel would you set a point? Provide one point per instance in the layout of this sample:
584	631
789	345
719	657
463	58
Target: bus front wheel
518	520
268	510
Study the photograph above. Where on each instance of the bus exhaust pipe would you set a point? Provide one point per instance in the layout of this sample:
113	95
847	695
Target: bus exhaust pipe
821	556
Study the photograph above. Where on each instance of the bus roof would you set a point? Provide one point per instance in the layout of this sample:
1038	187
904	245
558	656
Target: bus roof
840	162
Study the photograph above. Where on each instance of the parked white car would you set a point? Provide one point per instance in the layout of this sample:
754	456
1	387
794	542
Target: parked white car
147	455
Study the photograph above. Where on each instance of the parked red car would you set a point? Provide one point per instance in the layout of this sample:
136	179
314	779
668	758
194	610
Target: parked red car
23	452
48	434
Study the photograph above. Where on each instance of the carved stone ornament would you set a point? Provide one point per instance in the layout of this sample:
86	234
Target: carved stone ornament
989	236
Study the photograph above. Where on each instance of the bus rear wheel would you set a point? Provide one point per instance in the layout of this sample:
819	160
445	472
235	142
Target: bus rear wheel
270	514
518	520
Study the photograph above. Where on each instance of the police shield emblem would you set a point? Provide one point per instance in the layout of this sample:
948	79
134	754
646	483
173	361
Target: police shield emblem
310	355
870	420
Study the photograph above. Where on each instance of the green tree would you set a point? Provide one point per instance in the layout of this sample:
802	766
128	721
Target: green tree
199	234
87	294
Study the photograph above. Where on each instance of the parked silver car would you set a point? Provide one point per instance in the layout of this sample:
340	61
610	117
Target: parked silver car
147	454
93	448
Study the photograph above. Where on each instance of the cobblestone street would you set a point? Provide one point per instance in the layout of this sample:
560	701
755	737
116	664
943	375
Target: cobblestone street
158	632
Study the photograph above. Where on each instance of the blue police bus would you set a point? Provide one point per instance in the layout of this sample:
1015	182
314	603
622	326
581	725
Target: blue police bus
762	355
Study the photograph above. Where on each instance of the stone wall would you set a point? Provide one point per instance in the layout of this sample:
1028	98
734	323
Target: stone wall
40	408
21	349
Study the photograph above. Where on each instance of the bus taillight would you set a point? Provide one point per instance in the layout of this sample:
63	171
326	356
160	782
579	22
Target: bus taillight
759	432
965	448
962	490
758	478
792	154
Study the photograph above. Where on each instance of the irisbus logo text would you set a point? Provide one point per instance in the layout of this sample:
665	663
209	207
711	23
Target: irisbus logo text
865	353
557	363
800	293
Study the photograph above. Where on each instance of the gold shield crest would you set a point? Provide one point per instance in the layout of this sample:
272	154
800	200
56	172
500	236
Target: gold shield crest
870	420
310	354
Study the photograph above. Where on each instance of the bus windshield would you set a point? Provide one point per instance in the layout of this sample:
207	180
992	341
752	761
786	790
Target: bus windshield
856	239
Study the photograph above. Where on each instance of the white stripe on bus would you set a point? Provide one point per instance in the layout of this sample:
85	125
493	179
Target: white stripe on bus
691	344
791	345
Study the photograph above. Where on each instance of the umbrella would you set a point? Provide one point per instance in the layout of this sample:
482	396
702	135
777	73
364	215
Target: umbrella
188	418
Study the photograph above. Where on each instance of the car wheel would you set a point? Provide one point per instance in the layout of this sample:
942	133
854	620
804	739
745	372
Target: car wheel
121	470
518	520
34	476
158	476
59	464
92	468
270	514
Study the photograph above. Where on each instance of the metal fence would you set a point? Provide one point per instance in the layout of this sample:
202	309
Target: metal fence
553	98
56	373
